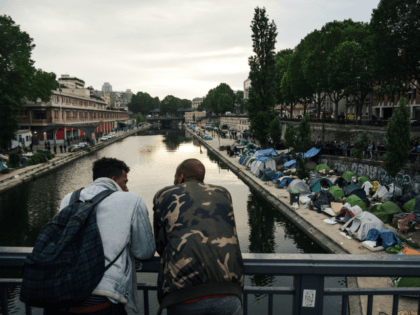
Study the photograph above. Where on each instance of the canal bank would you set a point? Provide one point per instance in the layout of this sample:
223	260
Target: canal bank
29	173
311	223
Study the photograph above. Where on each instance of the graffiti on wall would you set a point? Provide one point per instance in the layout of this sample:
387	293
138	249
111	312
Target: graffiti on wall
341	168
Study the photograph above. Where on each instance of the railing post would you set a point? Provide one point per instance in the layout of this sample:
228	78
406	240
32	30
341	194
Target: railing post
309	295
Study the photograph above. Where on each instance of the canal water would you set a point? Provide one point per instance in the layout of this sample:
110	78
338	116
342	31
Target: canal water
153	156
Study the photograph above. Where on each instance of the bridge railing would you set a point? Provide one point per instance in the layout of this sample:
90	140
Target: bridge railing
308	271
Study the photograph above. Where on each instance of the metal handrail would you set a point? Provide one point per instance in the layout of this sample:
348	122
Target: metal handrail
308	270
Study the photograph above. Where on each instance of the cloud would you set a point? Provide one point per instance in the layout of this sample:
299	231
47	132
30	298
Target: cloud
164	47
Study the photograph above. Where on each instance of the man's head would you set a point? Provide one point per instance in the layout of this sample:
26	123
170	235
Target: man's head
190	170
111	168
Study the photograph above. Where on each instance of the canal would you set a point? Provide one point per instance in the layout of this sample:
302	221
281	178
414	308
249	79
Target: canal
153	156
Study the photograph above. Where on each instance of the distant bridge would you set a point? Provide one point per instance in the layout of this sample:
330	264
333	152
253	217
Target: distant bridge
165	121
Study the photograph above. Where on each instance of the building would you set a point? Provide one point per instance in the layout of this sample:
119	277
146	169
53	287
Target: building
116	98
106	88
247	85
23	139
191	114
72	112
197	101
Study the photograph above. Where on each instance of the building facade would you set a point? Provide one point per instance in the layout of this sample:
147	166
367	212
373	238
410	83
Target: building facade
197	101
107	88
194	115
247	85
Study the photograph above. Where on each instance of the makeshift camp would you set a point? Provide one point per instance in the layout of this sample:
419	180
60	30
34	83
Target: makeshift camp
317	183
409	206
386	211
267	152
242	159
289	164
263	163
362	180
354	200
354	189
322	167
276	176
268	175
348	175
341	182
285	182
337	192
301	186
361	224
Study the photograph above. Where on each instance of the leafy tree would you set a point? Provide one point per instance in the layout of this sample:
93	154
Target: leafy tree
360	145
239	101
140	118
302	169
170	105
219	100
186	103
394	27
18	78
397	144
275	130
281	65
303	135
143	103
262	93
224	102
290	136
14	159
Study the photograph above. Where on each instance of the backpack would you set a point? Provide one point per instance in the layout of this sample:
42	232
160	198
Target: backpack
67	261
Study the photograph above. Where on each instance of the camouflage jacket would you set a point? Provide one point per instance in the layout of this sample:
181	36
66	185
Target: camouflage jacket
196	239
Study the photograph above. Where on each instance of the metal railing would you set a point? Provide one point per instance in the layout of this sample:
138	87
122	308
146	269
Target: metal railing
308	271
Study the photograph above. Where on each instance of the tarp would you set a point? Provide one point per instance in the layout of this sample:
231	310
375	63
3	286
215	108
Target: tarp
266	152
324	199
336	191
355	200
285	182
242	159
300	186
289	164
366	187
348	175
255	167
277	176
362	180
311	153
386	211
361	224
207	138
322	167
315	183
245	162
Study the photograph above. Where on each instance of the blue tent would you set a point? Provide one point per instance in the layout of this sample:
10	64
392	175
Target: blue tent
285	181
242	159
266	152
263	158
277	176
312	152
289	164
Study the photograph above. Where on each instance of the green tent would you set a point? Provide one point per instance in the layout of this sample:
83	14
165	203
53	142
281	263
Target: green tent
337	192
362	180
322	167
348	175
409	205
386	211
353	200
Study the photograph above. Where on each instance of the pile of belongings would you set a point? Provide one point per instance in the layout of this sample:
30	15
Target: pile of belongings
385	193
383	237
360	225
322	198
341	182
284	181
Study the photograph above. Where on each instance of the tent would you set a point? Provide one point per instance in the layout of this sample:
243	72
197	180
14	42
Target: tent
261	172
285	182
250	161
302	187
267	176
315	183
2	166
207	137
263	163
322	167
245	162
267	152
341	182
361	224
362	180
312	152
348	190
348	175
276	176
366	187
337	192
289	164
354	200
242	159
409	205
386	211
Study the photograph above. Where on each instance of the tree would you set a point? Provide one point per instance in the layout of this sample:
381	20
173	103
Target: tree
303	135
398	134
143	103
360	145
170	105
186	103
239	101
290	136
394	27
275	130
281	65
262	93
19	80
140	118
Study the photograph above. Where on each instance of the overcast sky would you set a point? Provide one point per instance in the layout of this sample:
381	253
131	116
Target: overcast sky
165	47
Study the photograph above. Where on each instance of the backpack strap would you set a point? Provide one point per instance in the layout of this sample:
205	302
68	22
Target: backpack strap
75	196
115	259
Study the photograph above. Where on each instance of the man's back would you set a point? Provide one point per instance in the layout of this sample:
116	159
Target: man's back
196	236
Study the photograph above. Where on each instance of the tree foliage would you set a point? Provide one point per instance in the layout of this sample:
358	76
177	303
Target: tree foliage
398	135
303	135
290	135
170	105
140	118
275	130
262	93
360	145
219	100
143	103
18	78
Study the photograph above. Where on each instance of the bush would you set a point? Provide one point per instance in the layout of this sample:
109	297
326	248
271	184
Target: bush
87	149
38	158
6	171
14	160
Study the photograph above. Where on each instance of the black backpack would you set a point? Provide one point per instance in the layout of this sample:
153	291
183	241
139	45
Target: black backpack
67	262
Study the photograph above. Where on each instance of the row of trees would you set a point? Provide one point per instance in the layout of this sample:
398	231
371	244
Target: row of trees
342	59
18	78
143	103
222	99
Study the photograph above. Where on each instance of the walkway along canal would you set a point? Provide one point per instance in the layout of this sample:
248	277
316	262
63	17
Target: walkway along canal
153	156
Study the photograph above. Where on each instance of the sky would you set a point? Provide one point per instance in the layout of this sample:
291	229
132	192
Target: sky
165	47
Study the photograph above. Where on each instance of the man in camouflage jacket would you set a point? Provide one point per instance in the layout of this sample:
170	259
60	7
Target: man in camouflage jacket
201	263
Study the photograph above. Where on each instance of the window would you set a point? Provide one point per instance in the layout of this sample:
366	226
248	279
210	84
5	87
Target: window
24	113
40	114
56	114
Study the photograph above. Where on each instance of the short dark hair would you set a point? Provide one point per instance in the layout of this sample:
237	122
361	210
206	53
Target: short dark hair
109	167
192	169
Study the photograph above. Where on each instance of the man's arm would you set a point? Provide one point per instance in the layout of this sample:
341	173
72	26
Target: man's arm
142	242
159	230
